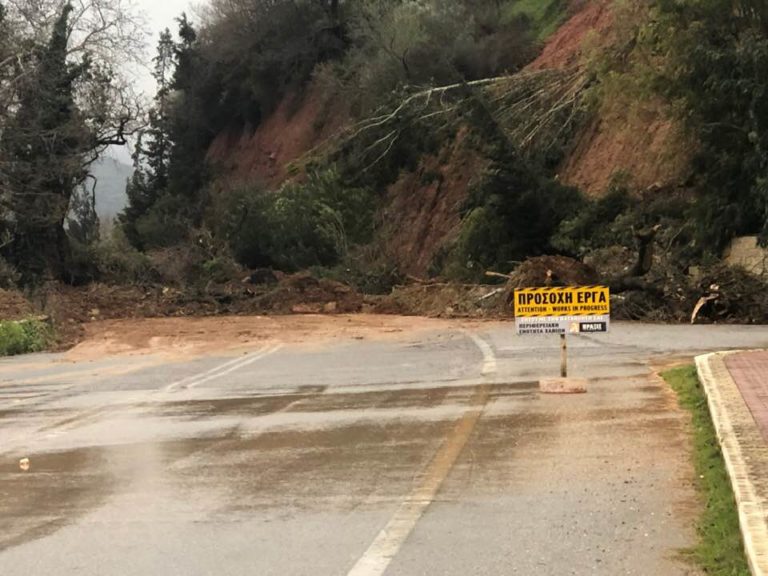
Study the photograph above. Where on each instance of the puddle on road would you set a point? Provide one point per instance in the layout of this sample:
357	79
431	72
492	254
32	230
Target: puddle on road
58	489
340	464
62	487
317	399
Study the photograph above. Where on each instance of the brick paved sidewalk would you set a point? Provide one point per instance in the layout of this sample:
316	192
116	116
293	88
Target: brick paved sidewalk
736	385
750	372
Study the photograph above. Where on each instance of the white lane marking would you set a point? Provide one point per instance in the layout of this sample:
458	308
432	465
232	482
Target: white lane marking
490	366
222	369
188	379
245	362
387	544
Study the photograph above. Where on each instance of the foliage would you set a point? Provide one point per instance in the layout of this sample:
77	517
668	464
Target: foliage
511	216
714	59
24	337
598	225
82	221
9	277
44	144
397	44
364	268
166	223
720	550
301	225
111	259
62	105
547	15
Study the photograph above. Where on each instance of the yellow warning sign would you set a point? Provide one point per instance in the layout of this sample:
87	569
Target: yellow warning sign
565	301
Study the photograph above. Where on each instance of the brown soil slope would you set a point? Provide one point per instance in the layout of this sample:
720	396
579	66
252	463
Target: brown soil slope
422	211
299	123
422	214
629	138
564	47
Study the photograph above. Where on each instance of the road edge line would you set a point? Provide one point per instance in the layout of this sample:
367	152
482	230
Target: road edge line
379	555
490	364
741	443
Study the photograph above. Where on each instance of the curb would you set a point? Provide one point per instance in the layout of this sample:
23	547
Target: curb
745	454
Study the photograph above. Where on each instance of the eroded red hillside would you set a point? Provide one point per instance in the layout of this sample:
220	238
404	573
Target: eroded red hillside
300	122
639	141
423	208
564	47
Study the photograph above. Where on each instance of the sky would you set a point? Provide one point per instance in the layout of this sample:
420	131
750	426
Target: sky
160	14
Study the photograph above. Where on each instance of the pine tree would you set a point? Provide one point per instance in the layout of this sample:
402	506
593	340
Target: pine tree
151	159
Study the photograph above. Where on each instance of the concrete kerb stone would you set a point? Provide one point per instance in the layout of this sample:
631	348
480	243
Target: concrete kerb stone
563	385
745	454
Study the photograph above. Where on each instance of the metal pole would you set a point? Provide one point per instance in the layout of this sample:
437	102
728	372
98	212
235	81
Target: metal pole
563	356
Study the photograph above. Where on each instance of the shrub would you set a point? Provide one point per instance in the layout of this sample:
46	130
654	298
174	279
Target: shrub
9	277
302	225
165	224
119	262
24	337
595	225
511	216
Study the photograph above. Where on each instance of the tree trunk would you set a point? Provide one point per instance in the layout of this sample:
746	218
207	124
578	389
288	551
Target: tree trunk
41	253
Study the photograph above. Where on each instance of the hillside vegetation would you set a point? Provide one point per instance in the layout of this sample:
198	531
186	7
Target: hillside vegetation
372	140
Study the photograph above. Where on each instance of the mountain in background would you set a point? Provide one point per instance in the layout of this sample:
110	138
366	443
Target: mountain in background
111	176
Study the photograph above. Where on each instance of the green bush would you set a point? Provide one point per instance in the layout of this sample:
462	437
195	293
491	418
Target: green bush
512	215
24	337
165	224
302	225
119	262
595	225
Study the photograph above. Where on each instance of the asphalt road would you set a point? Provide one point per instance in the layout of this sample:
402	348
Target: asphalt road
432	454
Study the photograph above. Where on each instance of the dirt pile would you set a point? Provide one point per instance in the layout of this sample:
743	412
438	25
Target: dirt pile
72	308
446	300
304	294
453	300
14	306
552	271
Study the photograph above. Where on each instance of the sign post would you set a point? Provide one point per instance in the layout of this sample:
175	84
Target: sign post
563	310
563	356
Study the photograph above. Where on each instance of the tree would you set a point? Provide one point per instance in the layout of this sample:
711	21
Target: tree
108	33
44	147
153	147
716	55
62	104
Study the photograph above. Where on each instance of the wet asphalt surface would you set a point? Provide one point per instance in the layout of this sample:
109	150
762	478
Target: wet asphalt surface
427	455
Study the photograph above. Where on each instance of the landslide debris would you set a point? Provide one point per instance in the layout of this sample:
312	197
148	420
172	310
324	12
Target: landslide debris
71	308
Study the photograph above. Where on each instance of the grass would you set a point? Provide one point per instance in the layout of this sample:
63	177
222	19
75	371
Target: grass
720	550
23	337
